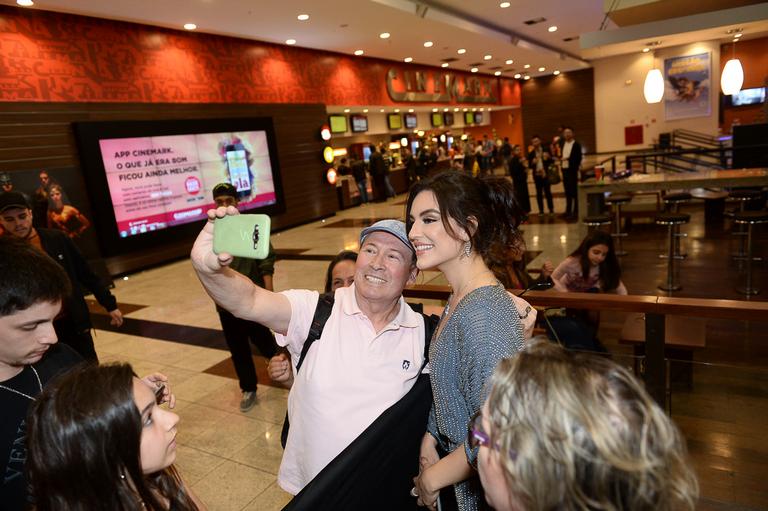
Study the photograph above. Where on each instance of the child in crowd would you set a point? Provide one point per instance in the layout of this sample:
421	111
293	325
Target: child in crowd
567	430
98	439
593	267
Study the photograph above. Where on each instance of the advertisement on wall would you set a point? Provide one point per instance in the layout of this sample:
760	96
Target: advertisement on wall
158	182
687	86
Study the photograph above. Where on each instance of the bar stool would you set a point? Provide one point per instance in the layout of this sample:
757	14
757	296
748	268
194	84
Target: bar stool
596	221
748	219
673	221
742	197
615	200
672	203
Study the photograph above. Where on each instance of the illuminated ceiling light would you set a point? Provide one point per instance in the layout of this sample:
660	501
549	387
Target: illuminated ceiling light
653	88
526	77
444	64
410	110
446	109
359	52
489	109
509	61
382	110
365	110
25	3
290	42
497	73
646	50
553	28
302	17
420	133
542	68
504	5
474	70
461	51
738	35
384	35
397	110
527	66
556	72
187	26
346	110
456	109
465	109
434	109
331	176
474	109
404	141
517	76
481	109
488	57
408	59
428	44
732	78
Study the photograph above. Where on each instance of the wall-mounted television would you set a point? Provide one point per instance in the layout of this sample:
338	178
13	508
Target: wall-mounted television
469	117
394	121
359	123
411	121
448	118
338	123
150	182
753	96
437	119
478	117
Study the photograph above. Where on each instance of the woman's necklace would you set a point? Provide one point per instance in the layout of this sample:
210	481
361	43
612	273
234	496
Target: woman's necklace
39	383
458	295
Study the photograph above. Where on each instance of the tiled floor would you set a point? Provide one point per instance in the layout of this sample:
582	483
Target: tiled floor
231	458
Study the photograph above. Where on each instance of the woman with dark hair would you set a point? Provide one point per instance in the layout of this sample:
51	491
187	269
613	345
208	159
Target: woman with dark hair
64	217
592	267
98	440
519	174
454	222
510	267
341	271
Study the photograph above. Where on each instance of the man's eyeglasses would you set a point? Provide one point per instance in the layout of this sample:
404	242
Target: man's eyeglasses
476	437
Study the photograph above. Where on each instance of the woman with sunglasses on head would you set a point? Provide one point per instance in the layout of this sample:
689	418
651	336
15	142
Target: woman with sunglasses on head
454	222
571	431
98	440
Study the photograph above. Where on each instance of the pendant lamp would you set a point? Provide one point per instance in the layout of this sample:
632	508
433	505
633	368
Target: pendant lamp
733	75
653	89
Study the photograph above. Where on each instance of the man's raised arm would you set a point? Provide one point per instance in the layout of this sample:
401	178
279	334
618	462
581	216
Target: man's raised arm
231	290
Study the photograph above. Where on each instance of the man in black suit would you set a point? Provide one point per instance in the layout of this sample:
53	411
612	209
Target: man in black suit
570	163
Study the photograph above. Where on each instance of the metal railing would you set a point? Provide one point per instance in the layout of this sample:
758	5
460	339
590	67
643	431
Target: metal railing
671	159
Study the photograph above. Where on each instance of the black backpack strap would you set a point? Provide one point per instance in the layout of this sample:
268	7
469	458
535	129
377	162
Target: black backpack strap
322	313
430	325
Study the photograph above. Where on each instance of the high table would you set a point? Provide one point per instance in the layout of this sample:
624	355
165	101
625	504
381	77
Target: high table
672	181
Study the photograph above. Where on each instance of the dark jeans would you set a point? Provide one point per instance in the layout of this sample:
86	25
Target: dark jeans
543	188
520	183
238	332
571	185
361	185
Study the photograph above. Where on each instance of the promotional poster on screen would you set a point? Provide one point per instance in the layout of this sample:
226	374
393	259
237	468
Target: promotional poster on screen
159	182
687	87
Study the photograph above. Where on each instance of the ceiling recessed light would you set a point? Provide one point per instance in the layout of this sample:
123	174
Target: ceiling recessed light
461	51
646	50
397	110
444	64
553	28
384	35
488	57
489	109
556	72
542	68
474	109
474	70
456	109
517	75
382	110
25	3
302	17
428	44
410	110
346	110
434	109
504	5
497	73
365	110
527	66
290	41
408	59
446	109
187	26
509	61
466	109
526	77
482	109
738	35
359	52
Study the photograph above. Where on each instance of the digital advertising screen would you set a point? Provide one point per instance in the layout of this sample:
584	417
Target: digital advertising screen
749	97
448	116
359	123
338	123
469	118
151	180
437	119
410	121
394	121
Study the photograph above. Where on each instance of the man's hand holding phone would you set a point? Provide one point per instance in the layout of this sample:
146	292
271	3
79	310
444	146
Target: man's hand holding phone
203	257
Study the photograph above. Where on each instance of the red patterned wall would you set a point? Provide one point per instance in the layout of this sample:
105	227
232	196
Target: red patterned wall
58	57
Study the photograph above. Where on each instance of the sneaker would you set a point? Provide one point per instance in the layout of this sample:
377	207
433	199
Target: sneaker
541	215
248	401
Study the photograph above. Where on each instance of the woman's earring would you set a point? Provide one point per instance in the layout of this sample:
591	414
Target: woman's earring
467	248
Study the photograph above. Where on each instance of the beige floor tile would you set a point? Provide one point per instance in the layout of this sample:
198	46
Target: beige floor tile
263	451
230	435
232	486
195	419
272	499
199	385
199	359
271	406
195	464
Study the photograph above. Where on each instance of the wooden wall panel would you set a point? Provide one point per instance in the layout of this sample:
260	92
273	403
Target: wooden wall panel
39	135
551	101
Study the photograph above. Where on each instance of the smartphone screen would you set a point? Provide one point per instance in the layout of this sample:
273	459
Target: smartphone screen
237	163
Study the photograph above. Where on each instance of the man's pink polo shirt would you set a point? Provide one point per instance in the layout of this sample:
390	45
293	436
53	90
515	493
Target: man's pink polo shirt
349	377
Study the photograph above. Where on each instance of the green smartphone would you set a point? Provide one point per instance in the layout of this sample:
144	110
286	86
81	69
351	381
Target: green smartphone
242	236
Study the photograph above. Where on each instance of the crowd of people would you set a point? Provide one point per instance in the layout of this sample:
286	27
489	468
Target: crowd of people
389	407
